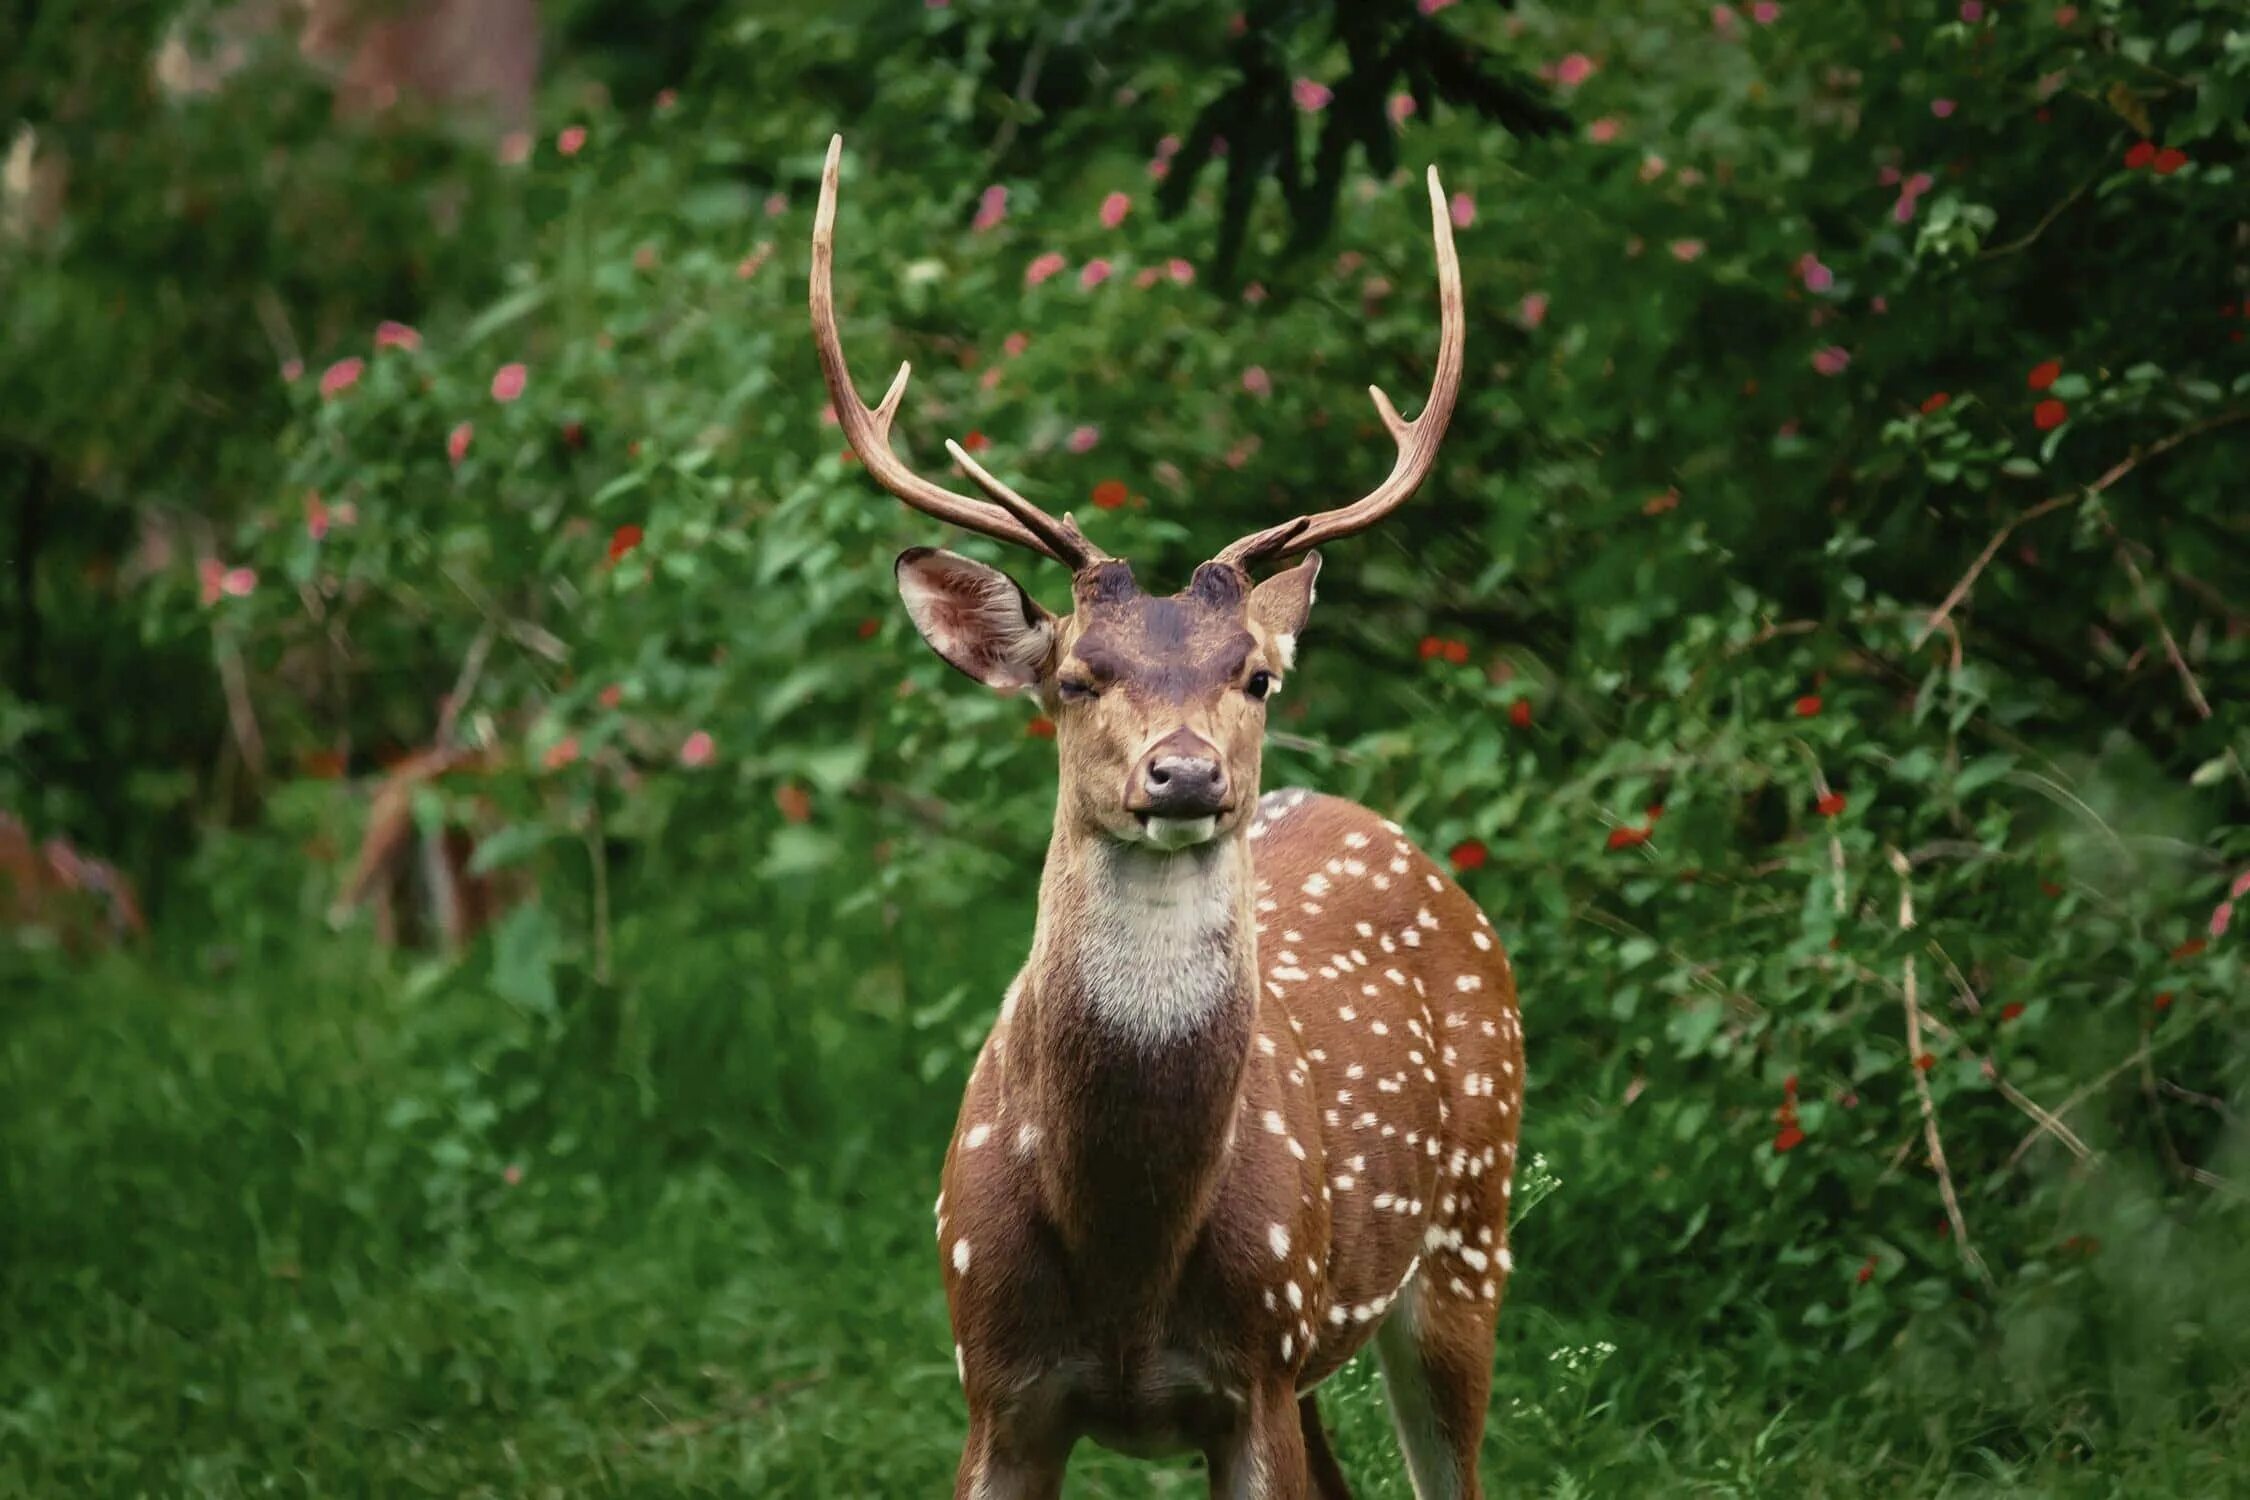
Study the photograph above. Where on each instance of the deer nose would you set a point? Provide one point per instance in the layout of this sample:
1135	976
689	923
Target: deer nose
1180	777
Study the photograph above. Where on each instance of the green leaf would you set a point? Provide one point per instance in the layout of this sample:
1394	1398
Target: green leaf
523	958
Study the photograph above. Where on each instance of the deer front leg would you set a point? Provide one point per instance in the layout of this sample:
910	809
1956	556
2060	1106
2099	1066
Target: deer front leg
997	1466
1264	1458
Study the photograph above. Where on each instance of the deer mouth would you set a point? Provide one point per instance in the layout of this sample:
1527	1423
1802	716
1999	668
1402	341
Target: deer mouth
1178	833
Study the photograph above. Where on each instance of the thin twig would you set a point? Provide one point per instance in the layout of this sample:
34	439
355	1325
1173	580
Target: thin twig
472	667
2045	1120
241	718
2116	471
2164	632
597	851
1930	1133
1306	746
2045	223
2077	1097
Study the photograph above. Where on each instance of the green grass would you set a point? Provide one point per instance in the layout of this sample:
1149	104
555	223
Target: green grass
260	1237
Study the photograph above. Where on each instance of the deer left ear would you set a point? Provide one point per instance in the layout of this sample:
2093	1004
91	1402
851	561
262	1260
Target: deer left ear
1283	602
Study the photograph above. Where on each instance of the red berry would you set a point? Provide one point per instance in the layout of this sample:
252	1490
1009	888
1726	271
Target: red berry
1519	713
1469	854
1041	728
2140	156
2170	160
2011	1010
1807	706
2049	414
1830	805
1109	494
1935	402
2044	374
1627	838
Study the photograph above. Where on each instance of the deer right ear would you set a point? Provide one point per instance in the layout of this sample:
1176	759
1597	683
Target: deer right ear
977	617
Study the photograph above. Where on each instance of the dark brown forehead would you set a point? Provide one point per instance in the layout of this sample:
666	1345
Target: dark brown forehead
1191	643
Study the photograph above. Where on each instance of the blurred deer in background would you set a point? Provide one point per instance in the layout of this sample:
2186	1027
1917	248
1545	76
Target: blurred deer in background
419	879
52	888
1253	1101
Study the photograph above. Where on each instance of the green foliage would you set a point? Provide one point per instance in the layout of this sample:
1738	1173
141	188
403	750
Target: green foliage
1756	512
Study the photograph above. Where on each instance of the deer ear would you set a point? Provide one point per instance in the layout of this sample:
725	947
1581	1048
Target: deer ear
1283	602
976	617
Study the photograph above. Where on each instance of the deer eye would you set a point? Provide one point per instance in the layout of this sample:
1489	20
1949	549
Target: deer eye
1076	690
1260	684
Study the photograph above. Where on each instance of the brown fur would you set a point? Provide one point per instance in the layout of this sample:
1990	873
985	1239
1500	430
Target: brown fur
1249	1102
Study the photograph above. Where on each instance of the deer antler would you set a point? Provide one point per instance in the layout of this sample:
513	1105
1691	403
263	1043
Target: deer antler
1007	516
1417	440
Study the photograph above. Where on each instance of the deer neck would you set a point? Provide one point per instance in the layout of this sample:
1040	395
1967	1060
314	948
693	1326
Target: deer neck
1135	1022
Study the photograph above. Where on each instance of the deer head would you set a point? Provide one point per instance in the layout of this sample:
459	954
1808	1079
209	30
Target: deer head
1159	702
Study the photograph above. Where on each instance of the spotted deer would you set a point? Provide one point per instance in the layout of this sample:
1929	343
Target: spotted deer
1252	1103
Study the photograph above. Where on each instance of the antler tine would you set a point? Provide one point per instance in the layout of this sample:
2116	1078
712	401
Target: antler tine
1417	440
1062	536
1013	519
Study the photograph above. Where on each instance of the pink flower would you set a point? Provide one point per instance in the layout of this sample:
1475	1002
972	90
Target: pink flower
515	148
1015	343
1167	148
1256	381
1148	276
1254	293
1832	360
992	207
2222	916
236	583
1887	175
209	573
697	749
1159	169
1431	7
777	204
1311	97
1082	438
1574	70
1765	12
1684	251
1722	18
2240	888
2066	15
572	140
1603	130
292	371
667	100
1402	108
1942	108
341	376
1652	167
316	515
1042	267
1920	183
1532	311
1972	11
1179	270
1095	273
507	383
1464	210
511	1174
1879	304
1114	209
391	335
1815	276
457	443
